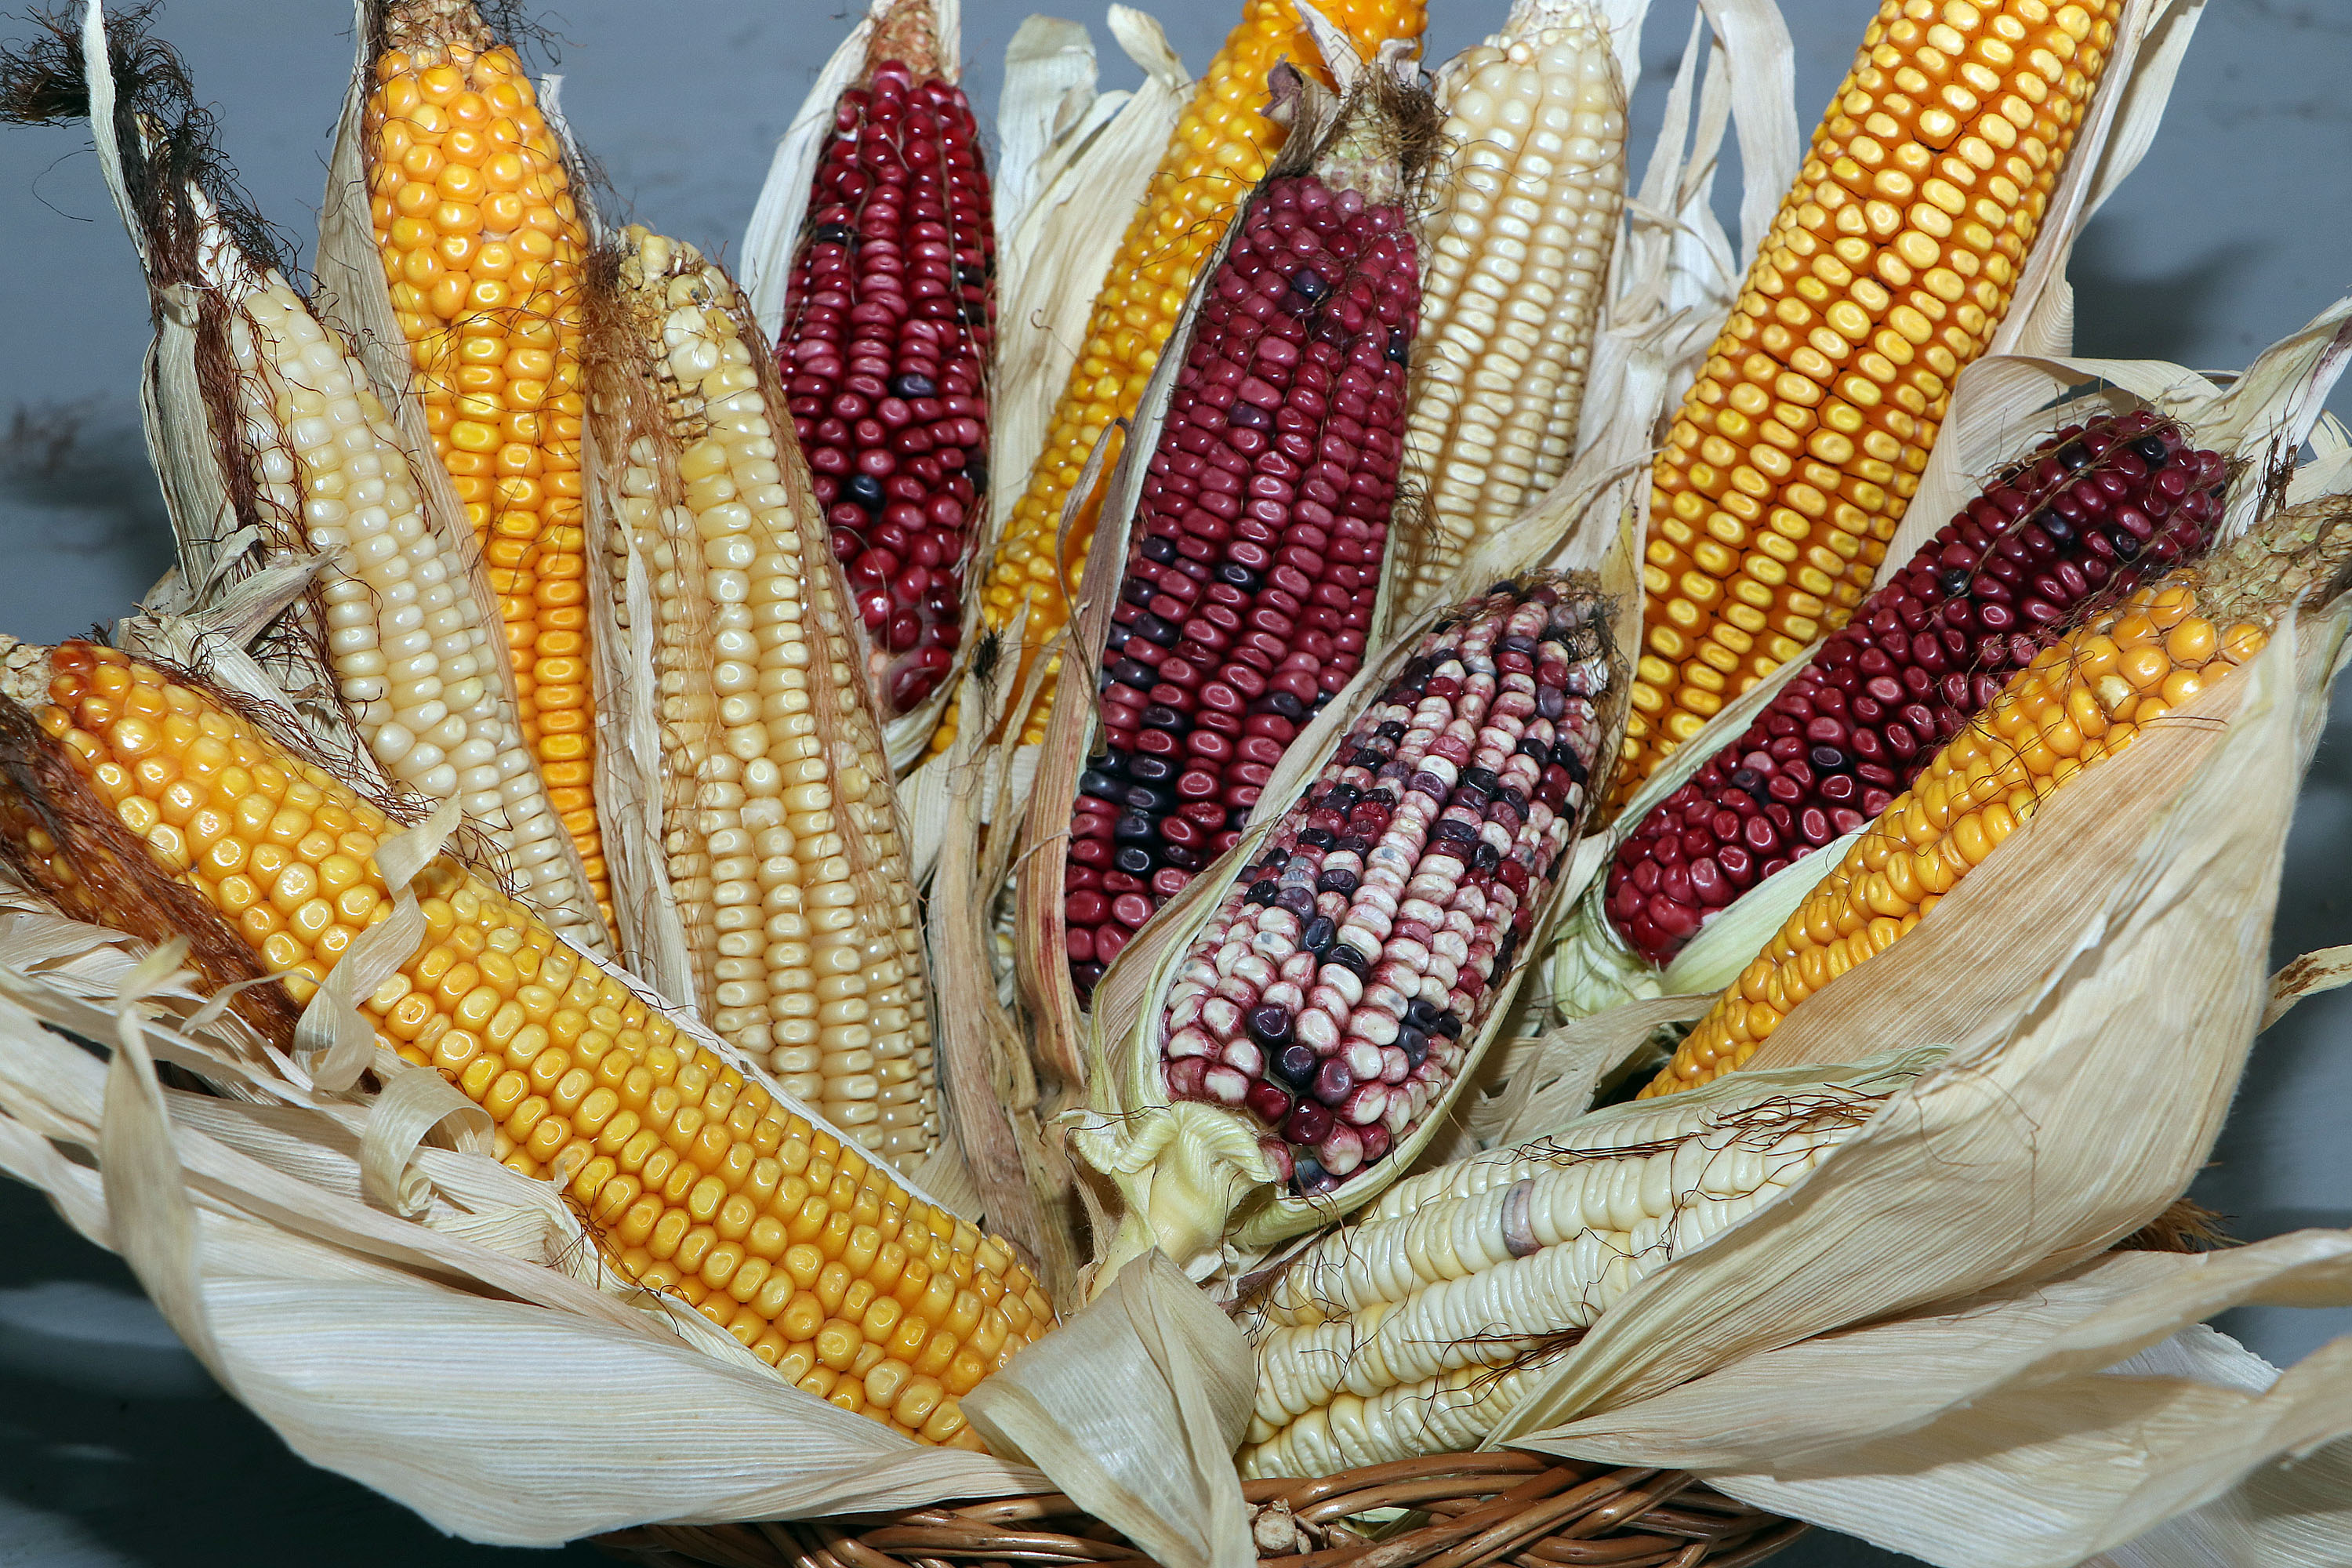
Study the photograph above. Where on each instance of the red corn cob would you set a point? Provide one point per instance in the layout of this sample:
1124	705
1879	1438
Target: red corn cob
1254	560
2082	521
1336	989
889	321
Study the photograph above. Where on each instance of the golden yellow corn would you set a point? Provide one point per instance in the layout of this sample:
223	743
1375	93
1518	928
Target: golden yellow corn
1887	271
1217	155
482	245
694	1180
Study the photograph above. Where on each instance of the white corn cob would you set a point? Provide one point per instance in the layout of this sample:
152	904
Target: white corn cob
1417	1329
1519	249
782	842
409	635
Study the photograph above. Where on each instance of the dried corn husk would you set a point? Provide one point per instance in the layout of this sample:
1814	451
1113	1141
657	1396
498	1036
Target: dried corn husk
2002	406
1192	1174
486	1369
2009	1428
2142	892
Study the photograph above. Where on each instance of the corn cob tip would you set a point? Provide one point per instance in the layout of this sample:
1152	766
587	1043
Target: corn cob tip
905	35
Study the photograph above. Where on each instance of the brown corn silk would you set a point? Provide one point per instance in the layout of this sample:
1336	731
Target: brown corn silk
482	244
2082	521
889	331
784	856
1222	147
2078	702
1887	271
693	1179
1254	561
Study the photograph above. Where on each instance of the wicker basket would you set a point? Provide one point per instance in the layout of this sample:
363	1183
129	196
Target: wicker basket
1465	1510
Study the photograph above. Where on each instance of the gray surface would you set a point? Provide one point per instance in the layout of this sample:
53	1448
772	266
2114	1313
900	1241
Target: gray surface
114	1449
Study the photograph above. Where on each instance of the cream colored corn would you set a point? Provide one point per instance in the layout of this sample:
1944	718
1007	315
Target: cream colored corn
784	855
1519	251
1416	1329
408	635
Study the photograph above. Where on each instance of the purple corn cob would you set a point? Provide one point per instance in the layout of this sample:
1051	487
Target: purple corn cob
2093	511
1341	984
1254	560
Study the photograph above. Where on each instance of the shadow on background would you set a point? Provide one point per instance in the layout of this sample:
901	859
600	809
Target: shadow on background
2121	311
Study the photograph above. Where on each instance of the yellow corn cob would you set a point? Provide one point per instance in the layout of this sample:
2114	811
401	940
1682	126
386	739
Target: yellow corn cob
1890	265
1416	1329
482	247
783	847
693	1179
2079	702
1217	153
1520	248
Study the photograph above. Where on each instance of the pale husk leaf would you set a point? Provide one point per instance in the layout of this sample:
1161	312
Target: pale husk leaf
479	1366
2142	891
1134	1406
1905	1432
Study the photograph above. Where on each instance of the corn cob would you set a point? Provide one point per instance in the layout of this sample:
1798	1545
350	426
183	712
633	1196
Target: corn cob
693	1179
1217	155
1253	564
889	324
1518	250
2084	518
1417	1329
1339	985
784	852
311	458
2080	701
1890	263
482	245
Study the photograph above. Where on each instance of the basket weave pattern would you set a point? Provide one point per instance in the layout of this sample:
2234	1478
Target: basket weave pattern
1464	1510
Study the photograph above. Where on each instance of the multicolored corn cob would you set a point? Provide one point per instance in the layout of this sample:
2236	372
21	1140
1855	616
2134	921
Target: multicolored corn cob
1254	566
785	858
693	1179
2080	701
1518	250
1418	1328
1886	272
1219	152
1339	985
2094	510
482	245
890	325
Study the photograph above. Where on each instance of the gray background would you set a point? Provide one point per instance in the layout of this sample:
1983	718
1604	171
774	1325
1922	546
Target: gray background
116	1449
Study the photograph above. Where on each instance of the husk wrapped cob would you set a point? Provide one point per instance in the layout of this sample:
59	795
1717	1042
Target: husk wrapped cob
781	903
1282	1046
